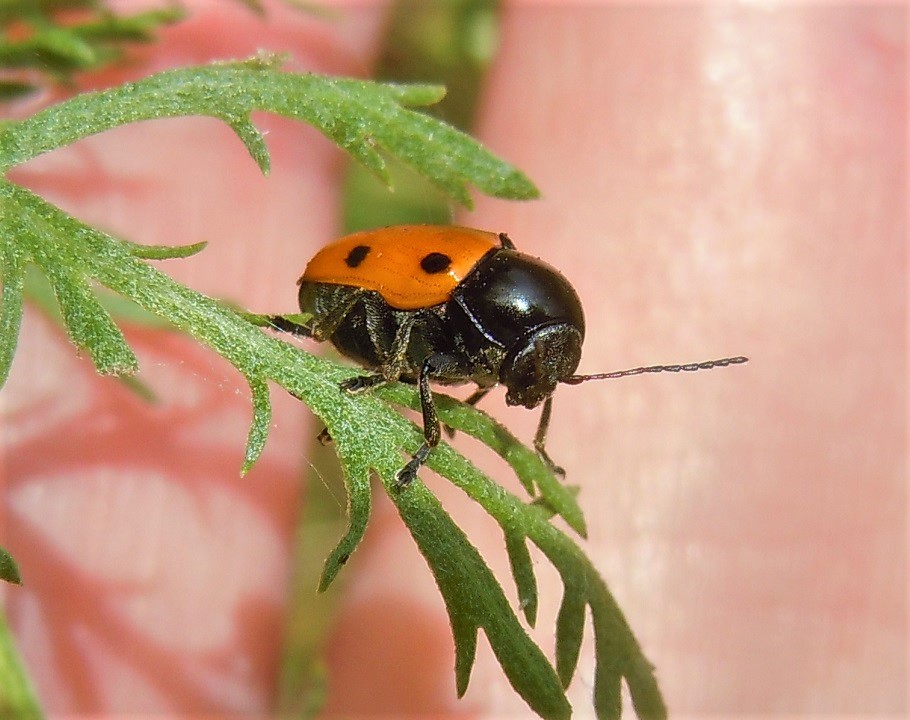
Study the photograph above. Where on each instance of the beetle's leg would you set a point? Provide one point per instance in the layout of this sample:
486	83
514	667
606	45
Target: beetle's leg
478	395
360	383
433	365
406	475
328	323
506	242
282	324
540	437
474	398
393	358
390	357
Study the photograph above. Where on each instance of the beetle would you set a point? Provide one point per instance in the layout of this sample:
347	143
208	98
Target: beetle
449	305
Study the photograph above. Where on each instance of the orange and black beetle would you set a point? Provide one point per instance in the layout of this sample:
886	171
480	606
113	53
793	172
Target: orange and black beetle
450	305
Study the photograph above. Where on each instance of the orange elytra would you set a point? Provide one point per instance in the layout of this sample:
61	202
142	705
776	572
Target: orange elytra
410	266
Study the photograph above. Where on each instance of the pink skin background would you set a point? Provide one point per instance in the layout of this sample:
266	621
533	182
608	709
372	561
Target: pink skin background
716	180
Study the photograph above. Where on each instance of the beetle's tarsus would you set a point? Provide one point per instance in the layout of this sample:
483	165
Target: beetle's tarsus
282	324
554	468
361	383
408	473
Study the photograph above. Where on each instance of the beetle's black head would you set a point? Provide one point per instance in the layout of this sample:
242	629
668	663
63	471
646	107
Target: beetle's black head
532	369
531	313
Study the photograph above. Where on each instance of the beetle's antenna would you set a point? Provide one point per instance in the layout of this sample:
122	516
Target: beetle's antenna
688	367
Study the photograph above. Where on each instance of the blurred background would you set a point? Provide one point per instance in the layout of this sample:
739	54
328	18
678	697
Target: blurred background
716	180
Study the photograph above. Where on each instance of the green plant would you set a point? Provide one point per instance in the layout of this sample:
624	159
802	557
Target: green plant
17	697
35	42
363	118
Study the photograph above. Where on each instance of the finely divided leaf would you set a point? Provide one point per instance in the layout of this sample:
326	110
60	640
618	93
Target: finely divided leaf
523	573
259	427
17	697
357	483
527	464
9	571
164	252
570	626
362	117
474	599
619	656
13	276
49	41
88	324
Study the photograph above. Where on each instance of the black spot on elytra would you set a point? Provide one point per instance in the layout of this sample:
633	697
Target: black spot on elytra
435	263
357	256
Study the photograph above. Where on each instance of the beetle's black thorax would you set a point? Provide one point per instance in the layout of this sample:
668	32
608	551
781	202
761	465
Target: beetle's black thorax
530	313
510	295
